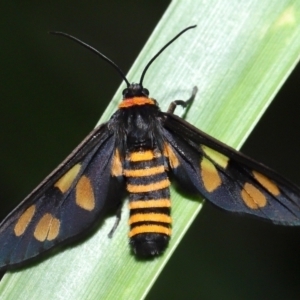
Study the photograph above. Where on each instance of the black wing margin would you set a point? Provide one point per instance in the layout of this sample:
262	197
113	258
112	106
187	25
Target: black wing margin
227	178
67	203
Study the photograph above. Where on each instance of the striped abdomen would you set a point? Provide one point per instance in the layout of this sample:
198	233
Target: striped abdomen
149	196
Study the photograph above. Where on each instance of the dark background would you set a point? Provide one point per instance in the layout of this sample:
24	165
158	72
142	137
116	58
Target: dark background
52	94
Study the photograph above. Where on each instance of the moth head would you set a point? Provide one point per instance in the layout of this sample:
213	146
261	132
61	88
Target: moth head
135	90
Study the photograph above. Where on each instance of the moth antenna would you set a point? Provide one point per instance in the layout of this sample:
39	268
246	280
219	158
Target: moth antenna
95	51
161	50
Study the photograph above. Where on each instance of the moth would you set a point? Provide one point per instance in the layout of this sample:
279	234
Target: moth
135	151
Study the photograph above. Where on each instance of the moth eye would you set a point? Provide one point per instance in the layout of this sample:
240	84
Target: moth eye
145	92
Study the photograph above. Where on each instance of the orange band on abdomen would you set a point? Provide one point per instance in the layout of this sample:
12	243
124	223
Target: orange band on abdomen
149	229
140	188
144	172
150	203
152	217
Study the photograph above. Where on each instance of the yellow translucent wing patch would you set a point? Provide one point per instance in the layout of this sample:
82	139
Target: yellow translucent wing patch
253	197
47	228
209	174
24	220
173	160
65	182
84	194
217	157
117	169
266	183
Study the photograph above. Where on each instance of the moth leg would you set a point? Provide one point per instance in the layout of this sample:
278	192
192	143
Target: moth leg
117	221
183	103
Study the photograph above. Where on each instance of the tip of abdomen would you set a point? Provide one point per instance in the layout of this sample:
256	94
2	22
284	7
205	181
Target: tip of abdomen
149	244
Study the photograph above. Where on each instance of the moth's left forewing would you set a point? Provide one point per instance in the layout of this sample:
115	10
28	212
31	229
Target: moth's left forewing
228	178
67	203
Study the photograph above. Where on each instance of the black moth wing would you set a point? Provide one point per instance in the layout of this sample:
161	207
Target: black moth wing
67	203
227	178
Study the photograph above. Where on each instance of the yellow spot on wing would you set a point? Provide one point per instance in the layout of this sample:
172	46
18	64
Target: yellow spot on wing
266	183
150	217
144	172
149	229
24	220
134	188
54	229
209	174
84	194
47	228
116	169
216	156
149	203
168	152
141	155
253	197
65	182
